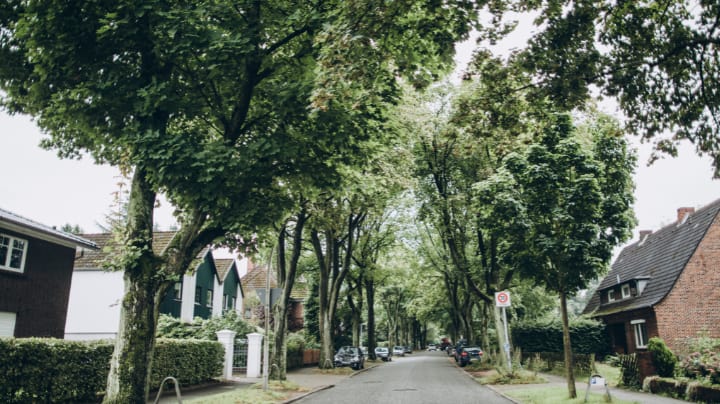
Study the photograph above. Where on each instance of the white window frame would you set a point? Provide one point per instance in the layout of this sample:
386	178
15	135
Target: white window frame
611	295
625	291
640	332
10	247
209	298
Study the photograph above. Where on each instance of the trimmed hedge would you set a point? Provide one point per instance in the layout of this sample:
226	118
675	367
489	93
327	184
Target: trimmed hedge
586	336
696	392
665	386
52	370
58	371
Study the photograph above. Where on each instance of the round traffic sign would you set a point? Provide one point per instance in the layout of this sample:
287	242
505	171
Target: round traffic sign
502	299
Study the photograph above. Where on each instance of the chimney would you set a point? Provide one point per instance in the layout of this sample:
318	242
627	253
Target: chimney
645	233
683	214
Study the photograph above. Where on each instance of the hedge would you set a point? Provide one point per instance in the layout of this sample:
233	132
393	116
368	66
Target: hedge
58	371
586	337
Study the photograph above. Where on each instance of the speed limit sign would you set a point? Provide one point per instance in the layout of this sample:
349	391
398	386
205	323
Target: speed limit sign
502	299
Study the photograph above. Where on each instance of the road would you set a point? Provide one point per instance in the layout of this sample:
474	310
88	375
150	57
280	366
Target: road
419	378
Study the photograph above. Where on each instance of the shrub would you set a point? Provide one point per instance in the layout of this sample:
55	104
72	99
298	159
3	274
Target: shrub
629	371
35	370
663	358
665	386
172	327
586	336
696	392
704	361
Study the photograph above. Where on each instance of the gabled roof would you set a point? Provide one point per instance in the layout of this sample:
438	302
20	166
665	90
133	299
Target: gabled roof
256	278
32	228
660	258
94	260
224	265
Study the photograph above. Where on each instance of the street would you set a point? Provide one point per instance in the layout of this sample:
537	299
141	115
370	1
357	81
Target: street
422	377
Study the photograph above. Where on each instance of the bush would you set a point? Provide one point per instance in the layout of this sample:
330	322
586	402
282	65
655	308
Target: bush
663	358
704	362
295	349
665	386
629	371
172	327
696	392
586	336
35	370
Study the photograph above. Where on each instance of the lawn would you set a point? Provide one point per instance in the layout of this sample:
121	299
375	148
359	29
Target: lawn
556	395
277	392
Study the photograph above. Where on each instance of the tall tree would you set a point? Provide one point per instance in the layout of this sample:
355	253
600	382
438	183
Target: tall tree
660	58
207	102
573	195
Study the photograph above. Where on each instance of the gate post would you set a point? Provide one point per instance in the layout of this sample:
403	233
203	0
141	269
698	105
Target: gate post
253	355
227	339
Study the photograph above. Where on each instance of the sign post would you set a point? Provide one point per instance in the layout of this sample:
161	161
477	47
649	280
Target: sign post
502	299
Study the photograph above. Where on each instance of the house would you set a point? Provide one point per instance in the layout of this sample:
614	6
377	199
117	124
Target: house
231	287
666	284
256	278
96	293
36	265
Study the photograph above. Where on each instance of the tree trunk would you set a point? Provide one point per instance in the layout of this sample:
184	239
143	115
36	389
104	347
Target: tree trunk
370	295
567	348
135	342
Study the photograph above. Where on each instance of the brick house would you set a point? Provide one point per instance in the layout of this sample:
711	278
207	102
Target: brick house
36	266
666	284
256	278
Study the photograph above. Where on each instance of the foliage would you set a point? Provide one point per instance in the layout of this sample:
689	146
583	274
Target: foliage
703	365
189	361
59	371
554	362
50	370
587	336
556	395
659	58
519	377
172	327
697	392
665	386
663	358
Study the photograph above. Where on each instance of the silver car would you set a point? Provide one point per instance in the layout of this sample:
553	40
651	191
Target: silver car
383	353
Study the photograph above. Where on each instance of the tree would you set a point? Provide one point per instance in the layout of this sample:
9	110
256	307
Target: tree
209	102
572	192
659	58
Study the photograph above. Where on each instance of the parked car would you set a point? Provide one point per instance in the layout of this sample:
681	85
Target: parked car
408	349
383	353
432	347
398	350
465	354
350	356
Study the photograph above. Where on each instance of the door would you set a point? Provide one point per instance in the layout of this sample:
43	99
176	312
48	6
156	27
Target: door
618	339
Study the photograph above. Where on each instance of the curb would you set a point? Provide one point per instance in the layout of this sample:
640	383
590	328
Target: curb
321	388
489	386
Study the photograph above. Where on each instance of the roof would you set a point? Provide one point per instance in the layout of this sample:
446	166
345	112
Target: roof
94	260
32	228
660	258
256	278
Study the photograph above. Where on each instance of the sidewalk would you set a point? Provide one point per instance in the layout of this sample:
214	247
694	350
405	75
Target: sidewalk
581	387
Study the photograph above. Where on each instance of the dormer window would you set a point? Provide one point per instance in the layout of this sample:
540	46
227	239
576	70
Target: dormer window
625	291
611	295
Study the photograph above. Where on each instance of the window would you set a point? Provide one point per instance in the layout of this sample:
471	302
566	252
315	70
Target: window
611	295
209	298
625	291
198	295
225	301
640	333
177	291
7	324
231	306
12	253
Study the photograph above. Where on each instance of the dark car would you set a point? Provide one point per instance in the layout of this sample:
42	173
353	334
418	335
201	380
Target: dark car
383	353
407	349
465	354
350	356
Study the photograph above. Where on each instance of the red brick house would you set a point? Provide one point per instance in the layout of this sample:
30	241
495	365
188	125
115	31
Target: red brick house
36	266
256	278
666	284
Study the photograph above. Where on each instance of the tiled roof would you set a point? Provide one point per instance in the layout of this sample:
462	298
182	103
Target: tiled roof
255	279
93	260
660	258
35	229
223	266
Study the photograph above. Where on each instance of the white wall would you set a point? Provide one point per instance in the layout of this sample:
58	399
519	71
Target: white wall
94	305
187	310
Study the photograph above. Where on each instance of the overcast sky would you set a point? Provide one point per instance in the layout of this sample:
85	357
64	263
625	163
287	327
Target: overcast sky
40	186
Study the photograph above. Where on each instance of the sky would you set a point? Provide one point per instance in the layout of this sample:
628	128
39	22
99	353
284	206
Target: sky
40	186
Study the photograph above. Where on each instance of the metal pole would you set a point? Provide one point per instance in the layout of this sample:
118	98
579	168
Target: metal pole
507	340
266	348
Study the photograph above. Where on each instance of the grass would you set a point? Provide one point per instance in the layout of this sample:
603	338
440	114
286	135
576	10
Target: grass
556	395
278	391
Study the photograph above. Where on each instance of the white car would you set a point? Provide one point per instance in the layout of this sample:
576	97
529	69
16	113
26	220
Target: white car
398	350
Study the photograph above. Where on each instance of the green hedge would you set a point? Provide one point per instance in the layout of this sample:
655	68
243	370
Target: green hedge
586	336
58	371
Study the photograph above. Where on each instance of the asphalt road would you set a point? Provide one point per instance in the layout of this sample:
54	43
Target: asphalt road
419	378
